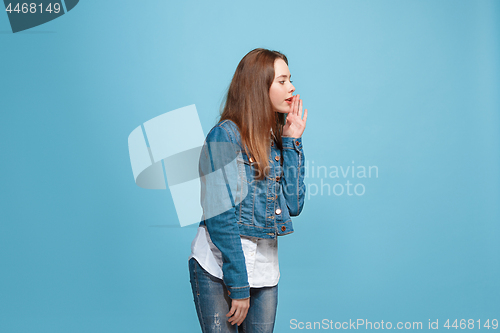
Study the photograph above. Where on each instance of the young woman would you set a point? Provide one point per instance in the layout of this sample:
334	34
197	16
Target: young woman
252	175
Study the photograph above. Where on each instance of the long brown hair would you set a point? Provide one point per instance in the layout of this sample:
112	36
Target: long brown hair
248	105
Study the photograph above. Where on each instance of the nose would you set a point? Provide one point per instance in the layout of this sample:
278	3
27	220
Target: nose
292	88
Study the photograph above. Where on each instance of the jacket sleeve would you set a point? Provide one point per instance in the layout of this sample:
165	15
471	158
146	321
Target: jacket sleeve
293	174
219	178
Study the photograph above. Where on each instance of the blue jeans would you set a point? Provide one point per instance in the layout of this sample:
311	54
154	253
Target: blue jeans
212	304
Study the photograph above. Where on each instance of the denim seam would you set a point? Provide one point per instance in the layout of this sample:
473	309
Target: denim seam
240	287
198	305
253	225
241	202
231	127
253	204
241	194
298	176
267	194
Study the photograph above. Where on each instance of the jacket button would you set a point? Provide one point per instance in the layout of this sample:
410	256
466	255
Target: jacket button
251	160
297	143
277	158
278	211
278	178
283	228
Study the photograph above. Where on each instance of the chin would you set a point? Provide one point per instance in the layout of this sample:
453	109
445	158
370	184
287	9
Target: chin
285	110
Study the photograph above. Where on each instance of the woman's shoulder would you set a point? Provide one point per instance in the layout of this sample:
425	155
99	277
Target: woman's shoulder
228	124
224	130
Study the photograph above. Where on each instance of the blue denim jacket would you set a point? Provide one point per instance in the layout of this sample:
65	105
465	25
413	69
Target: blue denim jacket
256	208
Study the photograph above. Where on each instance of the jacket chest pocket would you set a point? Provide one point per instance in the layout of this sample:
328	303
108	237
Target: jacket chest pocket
247	169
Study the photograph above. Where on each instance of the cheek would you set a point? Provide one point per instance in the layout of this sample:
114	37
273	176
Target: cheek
276	94
273	95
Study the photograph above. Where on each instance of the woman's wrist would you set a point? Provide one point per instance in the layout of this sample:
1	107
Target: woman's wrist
291	143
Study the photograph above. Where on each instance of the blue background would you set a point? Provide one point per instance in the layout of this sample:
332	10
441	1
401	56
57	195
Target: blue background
411	87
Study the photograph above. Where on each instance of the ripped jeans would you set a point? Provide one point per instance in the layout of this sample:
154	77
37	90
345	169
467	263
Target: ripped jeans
212	304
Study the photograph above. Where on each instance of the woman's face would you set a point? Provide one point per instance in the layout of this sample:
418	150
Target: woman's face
281	90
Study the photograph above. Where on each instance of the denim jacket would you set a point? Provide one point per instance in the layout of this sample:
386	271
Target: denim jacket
236	203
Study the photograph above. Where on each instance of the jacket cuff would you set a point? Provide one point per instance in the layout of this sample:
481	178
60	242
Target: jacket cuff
238	292
292	143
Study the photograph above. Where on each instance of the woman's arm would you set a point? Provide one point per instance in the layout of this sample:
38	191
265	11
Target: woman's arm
293	174
293	157
218	175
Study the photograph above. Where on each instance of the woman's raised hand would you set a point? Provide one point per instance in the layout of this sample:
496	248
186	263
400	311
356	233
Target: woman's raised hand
295	124
239	310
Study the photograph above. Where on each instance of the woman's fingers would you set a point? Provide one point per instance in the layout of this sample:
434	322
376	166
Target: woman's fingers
238	317
231	311
299	102
244	315
235	318
232	314
295	119
239	310
294	103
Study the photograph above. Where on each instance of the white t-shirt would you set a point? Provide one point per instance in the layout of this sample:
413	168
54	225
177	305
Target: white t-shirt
261	258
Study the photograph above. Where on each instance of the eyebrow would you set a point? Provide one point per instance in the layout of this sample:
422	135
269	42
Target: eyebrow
285	76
